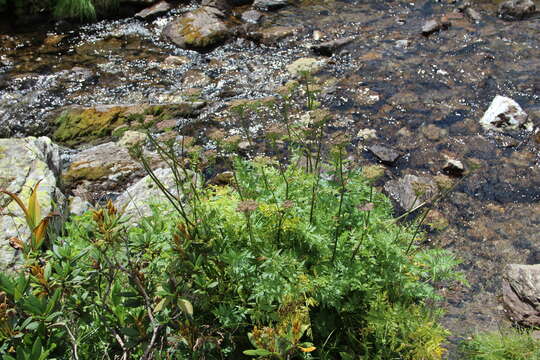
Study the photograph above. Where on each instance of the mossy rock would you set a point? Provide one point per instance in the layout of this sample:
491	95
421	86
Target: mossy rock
91	125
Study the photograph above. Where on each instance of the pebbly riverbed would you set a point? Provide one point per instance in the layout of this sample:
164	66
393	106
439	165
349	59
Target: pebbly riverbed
420	94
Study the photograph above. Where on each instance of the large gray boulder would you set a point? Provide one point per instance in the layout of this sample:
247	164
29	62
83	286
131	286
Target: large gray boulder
516	9
24	162
521	293
198	29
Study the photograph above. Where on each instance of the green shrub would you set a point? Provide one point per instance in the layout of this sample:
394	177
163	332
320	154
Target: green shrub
508	344
296	260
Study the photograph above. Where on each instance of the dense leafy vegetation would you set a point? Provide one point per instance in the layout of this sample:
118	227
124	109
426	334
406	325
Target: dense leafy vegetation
292	259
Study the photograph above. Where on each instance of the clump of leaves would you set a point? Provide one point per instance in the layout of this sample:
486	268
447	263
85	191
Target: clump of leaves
37	225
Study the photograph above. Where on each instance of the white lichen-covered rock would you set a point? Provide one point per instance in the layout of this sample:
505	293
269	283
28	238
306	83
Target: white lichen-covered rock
505	114
137	200
24	162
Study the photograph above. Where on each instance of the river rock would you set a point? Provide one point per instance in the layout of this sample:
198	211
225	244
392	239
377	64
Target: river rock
433	25
155	10
516	9
251	16
386	154
199	29
272	35
327	48
107	166
225	5
77	125
138	198
24	162
473	14
305	64
411	190
453	167
521	293
266	5
505	114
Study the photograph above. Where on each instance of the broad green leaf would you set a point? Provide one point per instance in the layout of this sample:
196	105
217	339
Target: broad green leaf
34	210
258	352
186	306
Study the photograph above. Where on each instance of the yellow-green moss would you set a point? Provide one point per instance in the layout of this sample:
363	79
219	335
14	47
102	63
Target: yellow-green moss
87	125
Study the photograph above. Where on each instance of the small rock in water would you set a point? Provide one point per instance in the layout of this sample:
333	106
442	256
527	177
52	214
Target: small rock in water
310	65
317	35
473	14
453	167
385	154
411	191
154	11
201	28
252	16
266	5
505	114
272	35
521	293
434	25
366	134
327	48
404	43
516	9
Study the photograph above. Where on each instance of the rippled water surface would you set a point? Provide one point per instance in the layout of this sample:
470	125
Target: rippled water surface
424	97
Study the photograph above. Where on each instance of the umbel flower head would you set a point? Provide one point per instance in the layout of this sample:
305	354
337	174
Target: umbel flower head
247	206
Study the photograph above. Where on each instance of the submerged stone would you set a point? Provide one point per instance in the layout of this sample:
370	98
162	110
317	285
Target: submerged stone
411	191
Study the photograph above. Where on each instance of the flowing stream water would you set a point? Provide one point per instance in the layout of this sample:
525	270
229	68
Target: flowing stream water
422	95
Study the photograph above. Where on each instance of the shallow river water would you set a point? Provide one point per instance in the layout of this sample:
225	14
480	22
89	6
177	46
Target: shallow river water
422	95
